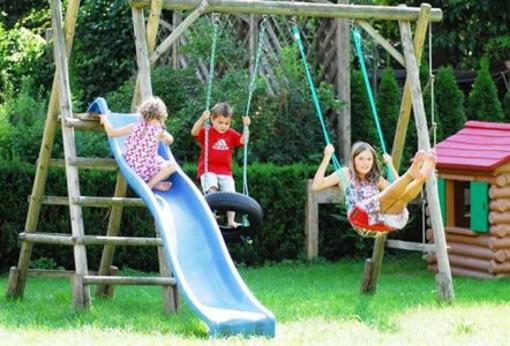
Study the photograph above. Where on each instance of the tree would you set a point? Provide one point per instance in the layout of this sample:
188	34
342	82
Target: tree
362	125
483	103
449	102
506	105
388	104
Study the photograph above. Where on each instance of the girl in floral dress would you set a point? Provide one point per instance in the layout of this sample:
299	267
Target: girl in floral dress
383	202
141	152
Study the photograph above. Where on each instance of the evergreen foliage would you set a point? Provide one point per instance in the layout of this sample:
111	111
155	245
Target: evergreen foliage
506	106
449	102
280	190
362	124
388	105
483	103
104	48
22	118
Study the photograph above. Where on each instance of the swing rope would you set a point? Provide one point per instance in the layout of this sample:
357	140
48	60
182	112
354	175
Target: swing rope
207	125
359	52
318	111
251	89
357	217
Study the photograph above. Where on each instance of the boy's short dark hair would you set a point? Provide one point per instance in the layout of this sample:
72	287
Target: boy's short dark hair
223	109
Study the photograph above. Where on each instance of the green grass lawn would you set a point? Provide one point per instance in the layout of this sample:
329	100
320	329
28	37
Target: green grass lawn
314	303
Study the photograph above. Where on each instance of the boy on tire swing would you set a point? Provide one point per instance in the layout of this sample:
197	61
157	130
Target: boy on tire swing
216	173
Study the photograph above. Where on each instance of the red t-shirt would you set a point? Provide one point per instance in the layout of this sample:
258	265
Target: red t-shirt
221	147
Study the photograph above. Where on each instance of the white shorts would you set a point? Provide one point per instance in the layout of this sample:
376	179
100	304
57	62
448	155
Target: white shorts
221	182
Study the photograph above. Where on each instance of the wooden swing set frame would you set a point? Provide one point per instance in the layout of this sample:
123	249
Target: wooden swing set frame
147	54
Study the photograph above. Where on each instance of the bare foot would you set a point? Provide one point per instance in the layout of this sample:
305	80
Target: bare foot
233	224
163	186
429	166
416	163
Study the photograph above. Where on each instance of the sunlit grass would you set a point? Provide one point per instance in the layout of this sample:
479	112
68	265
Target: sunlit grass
314	303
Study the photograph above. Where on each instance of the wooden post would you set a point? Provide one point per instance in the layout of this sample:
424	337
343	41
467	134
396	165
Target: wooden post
343	85
176	21
311	223
152	33
103	290
405	105
16	284
369	285
73	185
142	55
170	293
444	277
330	195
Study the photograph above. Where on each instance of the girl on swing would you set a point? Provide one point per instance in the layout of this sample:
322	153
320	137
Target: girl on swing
366	189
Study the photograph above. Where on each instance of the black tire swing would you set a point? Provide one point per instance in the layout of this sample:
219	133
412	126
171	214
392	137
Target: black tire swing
221	202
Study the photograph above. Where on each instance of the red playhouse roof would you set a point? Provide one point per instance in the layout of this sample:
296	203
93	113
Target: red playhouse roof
480	145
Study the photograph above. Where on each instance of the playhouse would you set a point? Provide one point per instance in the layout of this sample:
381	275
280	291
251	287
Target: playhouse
474	192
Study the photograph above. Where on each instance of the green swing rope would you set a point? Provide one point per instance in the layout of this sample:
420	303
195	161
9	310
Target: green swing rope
251	88
207	125
318	111
357	43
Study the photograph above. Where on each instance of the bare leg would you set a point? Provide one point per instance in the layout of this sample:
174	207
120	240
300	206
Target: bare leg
156	181
411	192
388	196
414	188
231	219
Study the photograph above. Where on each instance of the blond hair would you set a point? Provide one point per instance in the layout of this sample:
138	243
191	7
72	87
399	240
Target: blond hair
153	108
223	109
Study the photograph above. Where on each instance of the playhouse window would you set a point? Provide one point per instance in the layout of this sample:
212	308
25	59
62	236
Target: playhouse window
462	202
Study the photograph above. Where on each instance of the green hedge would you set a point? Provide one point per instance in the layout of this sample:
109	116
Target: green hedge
279	189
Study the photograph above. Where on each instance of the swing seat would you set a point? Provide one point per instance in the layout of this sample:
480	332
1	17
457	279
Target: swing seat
358	218
222	201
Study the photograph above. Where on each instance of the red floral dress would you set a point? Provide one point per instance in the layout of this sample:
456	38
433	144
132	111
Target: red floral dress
365	195
142	149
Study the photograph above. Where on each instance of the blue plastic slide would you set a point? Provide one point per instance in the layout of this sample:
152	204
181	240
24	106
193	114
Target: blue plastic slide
194	248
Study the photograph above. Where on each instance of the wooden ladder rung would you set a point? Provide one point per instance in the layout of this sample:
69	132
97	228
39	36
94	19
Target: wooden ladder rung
103	164
52	274
48	238
65	239
100	202
86	116
408	245
83	124
125	241
129	280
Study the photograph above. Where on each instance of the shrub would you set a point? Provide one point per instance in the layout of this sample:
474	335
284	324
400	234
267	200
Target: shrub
21	123
388	105
483	103
20	49
506	105
449	102
362	124
280	190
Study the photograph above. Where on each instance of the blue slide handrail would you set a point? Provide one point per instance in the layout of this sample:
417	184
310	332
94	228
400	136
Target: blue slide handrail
193	246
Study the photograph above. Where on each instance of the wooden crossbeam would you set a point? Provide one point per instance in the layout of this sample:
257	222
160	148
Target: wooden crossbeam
129	280
382	41
103	164
69	240
297	8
